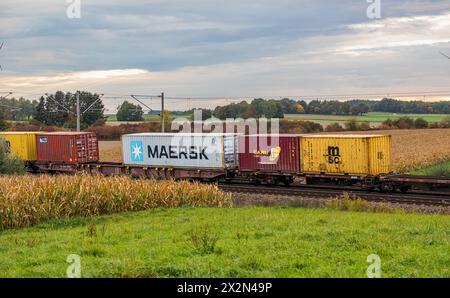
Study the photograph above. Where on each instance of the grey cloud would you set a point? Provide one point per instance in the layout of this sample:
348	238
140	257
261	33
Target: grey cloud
233	48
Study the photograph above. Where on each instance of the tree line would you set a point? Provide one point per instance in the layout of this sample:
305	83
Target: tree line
259	107
59	109
17	109
390	105
278	108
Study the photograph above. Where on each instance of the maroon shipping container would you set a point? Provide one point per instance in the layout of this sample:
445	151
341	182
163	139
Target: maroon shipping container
67	147
270	153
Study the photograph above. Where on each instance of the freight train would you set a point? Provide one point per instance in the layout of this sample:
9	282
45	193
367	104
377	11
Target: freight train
347	160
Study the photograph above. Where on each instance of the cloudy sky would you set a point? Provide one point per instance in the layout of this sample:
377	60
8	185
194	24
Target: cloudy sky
217	51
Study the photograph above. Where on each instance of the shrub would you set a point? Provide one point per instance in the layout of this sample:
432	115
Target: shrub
100	122
114	132
434	125
33	125
388	123
364	126
445	123
352	124
334	127
204	240
9	163
71	124
294	127
420	123
404	123
346	202
400	123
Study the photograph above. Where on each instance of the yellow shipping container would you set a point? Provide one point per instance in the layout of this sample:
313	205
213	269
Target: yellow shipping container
346	154
22	144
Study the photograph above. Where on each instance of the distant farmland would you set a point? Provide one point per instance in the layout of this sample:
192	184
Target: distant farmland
414	149
112	119
373	117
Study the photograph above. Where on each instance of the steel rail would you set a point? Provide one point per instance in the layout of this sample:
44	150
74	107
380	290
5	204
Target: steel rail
417	198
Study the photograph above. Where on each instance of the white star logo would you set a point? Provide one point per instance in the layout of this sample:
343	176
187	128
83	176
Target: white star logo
137	151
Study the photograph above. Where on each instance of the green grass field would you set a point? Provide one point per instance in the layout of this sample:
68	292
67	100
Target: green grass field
240	242
151	118
442	169
374	117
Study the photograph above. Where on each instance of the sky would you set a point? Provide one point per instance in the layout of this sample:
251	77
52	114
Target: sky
204	53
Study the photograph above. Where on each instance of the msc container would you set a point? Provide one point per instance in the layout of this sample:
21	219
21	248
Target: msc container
22	144
179	150
67	147
272	153
346	154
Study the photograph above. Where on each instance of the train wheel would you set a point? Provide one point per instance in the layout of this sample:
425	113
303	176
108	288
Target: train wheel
271	181
404	189
254	180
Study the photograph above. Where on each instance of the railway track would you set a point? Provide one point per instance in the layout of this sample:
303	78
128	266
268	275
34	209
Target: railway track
416	198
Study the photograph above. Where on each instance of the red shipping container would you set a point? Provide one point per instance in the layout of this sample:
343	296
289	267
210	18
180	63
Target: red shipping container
270	153
67	147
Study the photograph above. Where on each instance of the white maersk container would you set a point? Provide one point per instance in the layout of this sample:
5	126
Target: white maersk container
180	150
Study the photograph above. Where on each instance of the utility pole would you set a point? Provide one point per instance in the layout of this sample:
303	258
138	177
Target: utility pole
1	47
77	96
162	113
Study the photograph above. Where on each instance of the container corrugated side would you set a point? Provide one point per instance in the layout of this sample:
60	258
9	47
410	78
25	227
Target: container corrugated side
380	155
349	155
273	153
67	147
195	151
22	144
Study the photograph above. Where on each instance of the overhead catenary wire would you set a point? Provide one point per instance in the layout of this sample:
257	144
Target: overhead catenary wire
227	97
446	56
315	96
193	101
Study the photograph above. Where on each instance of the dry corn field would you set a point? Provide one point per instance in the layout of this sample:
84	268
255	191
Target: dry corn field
110	151
412	149
418	148
30	200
